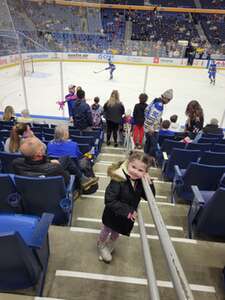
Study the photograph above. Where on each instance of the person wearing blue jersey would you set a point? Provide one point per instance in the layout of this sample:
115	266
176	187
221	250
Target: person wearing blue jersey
212	72
153	114
111	68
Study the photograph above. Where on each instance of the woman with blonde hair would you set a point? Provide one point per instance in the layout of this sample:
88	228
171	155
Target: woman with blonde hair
113	112
19	132
8	114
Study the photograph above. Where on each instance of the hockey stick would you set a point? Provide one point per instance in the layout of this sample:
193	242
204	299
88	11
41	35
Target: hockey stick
96	72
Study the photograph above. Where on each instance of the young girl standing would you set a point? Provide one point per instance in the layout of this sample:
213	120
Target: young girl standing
122	197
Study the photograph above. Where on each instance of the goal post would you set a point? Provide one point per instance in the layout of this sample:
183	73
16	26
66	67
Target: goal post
28	66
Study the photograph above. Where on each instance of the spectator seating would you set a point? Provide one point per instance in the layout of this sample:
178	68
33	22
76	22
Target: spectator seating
47	194
213	158
9	197
205	140
207	213
218	148
206	177
180	157
199	146
24	251
6	161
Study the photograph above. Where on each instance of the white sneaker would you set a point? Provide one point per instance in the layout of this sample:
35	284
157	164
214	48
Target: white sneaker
104	253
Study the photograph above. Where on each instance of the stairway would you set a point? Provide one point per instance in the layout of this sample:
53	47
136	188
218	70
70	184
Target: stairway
75	273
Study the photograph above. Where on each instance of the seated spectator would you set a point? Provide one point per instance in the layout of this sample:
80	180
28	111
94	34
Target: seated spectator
18	133
25	117
35	163
9	114
164	130
62	145
174	126
97	112
213	127
82	117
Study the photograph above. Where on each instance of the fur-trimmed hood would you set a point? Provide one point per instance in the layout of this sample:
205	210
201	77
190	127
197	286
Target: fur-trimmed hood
116	171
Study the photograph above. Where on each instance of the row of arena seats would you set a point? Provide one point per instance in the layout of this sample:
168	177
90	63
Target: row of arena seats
88	140
37	195
197	173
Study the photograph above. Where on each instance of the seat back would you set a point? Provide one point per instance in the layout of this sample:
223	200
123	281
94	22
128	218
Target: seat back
161	138
213	158
6	161
199	146
9	198
19	267
168	145
182	158
39	195
84	148
204	140
218	148
211	220
212	135
83	139
206	177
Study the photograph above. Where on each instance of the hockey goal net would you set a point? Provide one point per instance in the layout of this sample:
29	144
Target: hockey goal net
28	66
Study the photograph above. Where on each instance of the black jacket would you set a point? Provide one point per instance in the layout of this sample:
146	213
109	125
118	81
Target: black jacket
27	167
213	129
114	113
121	198
139	113
82	117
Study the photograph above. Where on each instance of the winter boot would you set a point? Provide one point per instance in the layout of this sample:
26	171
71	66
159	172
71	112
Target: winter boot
104	253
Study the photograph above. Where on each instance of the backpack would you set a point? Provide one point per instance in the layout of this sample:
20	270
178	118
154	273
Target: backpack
87	169
96	117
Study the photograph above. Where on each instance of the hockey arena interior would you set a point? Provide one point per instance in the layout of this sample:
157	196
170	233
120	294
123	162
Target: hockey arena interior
112	149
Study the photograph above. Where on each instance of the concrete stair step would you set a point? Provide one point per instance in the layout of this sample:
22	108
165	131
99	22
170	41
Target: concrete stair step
108	289
6	296
111	157
92	208
202	263
111	149
162	188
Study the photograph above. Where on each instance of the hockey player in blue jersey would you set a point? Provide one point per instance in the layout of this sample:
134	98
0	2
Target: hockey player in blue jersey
111	68
212	72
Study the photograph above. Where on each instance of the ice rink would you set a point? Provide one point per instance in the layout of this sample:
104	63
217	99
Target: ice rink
43	87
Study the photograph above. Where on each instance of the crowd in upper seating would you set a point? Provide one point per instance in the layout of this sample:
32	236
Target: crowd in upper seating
90	30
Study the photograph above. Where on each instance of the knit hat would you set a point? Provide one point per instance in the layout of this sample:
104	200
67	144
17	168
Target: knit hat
168	94
71	86
214	121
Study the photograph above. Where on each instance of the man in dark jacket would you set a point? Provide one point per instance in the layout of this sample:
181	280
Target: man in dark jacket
35	164
82	116
213	127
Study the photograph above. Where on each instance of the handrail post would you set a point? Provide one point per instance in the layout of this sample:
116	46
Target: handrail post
179	279
149	268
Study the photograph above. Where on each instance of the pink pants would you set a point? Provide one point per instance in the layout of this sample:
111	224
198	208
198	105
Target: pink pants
105	232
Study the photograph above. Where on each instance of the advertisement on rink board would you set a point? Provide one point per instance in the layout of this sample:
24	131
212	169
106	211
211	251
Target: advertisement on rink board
103	57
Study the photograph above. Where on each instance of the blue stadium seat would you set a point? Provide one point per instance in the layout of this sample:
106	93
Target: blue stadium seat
206	177
24	251
180	157
204	140
218	148
213	158
46	194
199	146
9	198
6	161
207	213
168	146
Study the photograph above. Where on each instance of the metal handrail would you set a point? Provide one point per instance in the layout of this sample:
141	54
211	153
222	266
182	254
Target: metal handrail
179	279
149	268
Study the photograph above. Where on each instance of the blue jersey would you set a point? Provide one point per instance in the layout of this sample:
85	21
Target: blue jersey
212	68
111	67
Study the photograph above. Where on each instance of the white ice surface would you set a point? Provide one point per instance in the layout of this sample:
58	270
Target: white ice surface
43	87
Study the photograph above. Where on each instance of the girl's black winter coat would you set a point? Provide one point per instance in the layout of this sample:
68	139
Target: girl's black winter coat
121	198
